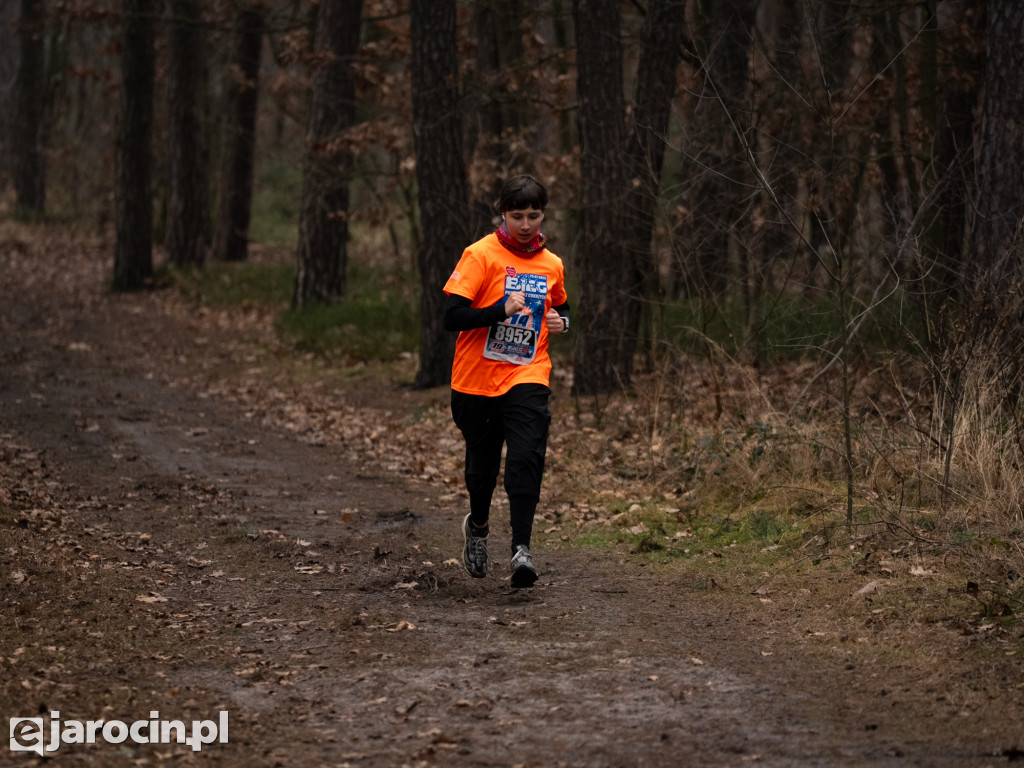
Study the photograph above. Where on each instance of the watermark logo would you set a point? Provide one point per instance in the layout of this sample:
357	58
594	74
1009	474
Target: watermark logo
29	734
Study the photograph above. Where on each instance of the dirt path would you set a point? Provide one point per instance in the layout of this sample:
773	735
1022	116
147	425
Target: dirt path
162	551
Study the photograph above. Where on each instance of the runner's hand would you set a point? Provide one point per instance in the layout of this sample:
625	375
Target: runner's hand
514	303
553	320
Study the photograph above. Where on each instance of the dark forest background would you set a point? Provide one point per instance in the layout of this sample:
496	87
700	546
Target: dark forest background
743	183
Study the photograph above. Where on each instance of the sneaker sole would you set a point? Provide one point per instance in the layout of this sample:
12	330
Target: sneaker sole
523	577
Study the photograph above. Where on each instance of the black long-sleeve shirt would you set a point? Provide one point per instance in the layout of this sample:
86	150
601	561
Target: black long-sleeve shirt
460	315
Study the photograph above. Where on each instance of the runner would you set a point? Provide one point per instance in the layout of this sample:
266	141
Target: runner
506	295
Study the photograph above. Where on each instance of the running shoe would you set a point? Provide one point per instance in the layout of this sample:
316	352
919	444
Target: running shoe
523	572
474	551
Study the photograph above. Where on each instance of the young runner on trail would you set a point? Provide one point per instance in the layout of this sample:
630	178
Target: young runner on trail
506	295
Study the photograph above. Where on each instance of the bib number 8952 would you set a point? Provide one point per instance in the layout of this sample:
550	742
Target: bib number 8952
513	335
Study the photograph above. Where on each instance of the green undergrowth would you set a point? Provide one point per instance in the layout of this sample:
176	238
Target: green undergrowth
377	319
779	326
231	284
664	533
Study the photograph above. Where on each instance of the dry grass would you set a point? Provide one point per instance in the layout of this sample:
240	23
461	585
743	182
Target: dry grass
761	486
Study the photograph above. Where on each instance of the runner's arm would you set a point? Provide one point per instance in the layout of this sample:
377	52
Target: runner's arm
460	315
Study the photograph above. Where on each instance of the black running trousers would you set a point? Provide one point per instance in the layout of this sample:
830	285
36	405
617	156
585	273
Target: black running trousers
519	420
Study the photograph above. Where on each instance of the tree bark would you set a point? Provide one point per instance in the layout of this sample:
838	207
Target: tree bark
440	174
323	223
188	210
1001	145
606	341
232	239
959	66
494	110
10	53
133	253
29	167
717	205
662	37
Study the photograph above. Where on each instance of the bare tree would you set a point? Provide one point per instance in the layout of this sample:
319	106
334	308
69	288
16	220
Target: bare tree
9	55
133	253
717	168
662	38
188	210
28	165
323	225
609	293
232	237
440	173
496	102
1001	140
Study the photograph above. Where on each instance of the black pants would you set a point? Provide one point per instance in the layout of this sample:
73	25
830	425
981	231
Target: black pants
519	419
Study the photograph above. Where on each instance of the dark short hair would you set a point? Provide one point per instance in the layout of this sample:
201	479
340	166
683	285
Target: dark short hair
522	192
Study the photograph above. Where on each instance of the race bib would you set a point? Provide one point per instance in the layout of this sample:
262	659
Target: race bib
514	340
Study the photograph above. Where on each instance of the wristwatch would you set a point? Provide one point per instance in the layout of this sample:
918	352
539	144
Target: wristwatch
565	319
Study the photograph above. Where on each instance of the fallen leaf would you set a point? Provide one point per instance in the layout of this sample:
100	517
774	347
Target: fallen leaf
871	585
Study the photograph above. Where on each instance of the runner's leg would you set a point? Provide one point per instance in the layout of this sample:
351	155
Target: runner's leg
527	420
479	420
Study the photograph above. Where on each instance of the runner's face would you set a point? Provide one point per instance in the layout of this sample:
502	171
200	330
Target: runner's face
523	224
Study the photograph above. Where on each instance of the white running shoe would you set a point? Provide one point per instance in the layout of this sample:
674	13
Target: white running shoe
523	572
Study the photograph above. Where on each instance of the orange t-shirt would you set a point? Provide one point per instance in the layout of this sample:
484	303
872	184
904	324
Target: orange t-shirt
490	361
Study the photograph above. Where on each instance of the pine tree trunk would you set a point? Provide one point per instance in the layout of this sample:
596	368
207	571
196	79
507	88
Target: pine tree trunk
440	174
662	38
605	343
493	109
323	224
1001	143
10	53
188	210
952	165
133	254
716	202
29	168
232	239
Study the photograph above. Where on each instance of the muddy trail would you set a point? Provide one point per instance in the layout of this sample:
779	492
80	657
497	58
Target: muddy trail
163	551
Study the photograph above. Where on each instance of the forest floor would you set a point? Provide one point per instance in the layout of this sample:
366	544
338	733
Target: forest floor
179	535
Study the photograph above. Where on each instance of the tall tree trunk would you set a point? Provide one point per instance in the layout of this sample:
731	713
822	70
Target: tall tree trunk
232	238
494	108
1001	144
29	167
10	53
959	66
440	174
662	37
188	210
327	173
133	252
609	303
717	204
